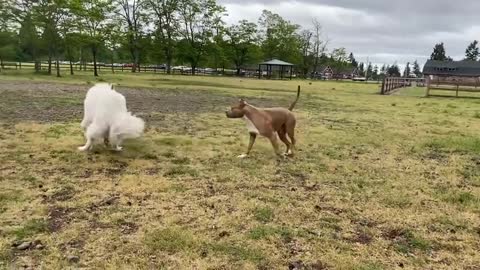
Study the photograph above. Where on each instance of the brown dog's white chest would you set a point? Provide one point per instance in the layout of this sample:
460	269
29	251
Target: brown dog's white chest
250	126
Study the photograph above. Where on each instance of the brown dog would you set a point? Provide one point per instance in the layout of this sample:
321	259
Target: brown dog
268	123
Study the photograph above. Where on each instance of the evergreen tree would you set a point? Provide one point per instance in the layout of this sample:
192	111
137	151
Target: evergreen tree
375	72
416	69
352	60
439	53
472	51
369	72
406	72
393	71
361	69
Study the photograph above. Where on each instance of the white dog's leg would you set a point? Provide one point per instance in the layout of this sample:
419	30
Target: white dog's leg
85	123
94	132
116	142
87	146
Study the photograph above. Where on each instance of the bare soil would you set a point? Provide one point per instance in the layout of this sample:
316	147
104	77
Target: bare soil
53	102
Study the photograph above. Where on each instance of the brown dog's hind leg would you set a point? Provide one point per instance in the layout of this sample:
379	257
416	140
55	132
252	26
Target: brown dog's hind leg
282	134
274	141
291	135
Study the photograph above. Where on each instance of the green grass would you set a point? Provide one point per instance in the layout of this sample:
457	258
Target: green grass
31	228
377	182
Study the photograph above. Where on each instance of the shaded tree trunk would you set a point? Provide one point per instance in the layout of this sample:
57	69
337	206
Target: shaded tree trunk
113	69
94	54
49	64
71	67
58	66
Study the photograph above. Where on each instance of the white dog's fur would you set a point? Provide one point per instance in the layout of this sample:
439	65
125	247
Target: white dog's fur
106	116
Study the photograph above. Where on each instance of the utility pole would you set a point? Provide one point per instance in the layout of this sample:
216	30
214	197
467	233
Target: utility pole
366	71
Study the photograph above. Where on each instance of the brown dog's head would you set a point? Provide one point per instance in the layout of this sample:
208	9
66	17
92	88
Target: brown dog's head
237	110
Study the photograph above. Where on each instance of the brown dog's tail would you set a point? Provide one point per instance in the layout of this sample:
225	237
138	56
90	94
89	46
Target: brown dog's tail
295	102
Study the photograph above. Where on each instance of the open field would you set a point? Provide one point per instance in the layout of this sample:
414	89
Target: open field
378	182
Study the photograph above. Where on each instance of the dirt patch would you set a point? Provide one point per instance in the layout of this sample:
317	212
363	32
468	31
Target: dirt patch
53	102
61	195
361	236
58	217
128	227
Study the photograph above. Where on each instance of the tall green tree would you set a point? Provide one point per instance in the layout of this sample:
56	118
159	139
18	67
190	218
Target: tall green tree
369	71
352	60
242	44
280	38
406	72
200	19
7	47
166	27
393	71
29	41
306	48
416	69
319	43
375	73
472	52
50	14
93	24
361	69
439	53
133	14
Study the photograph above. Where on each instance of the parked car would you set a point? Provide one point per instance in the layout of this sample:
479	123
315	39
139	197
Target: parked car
359	79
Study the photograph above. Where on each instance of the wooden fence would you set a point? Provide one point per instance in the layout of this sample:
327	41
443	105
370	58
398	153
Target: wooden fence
107	68
392	84
452	84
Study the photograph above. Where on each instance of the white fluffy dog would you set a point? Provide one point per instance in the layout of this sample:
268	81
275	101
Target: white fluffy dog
106	118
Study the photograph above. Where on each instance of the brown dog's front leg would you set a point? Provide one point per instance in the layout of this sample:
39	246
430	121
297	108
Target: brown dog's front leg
253	136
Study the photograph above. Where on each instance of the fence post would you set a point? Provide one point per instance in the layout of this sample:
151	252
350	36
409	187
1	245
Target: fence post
383	87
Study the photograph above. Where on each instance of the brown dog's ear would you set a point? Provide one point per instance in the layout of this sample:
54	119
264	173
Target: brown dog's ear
242	102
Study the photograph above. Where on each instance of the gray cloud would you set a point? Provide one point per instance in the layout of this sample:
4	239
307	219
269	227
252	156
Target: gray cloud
384	31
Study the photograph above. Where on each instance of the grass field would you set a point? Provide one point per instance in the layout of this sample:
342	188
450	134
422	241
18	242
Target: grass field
378	182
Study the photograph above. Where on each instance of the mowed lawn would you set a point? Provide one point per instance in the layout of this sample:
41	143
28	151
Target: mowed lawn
378	182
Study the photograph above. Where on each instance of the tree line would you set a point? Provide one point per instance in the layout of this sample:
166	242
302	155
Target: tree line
472	52
171	32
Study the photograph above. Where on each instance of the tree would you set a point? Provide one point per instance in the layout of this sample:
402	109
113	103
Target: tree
319	43
199	19
361	69
416	69
472	52
241	40
280	38
393	71
7	47
352	60
51	14
133	16
166	27
29	42
306	45
375	73
93	24
406	72
439	53
369	72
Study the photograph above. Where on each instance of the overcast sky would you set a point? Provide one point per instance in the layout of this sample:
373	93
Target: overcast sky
383	30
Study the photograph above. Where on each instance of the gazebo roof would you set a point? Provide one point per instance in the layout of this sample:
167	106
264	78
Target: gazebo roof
452	68
276	62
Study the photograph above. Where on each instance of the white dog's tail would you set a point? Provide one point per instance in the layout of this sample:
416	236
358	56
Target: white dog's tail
128	126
